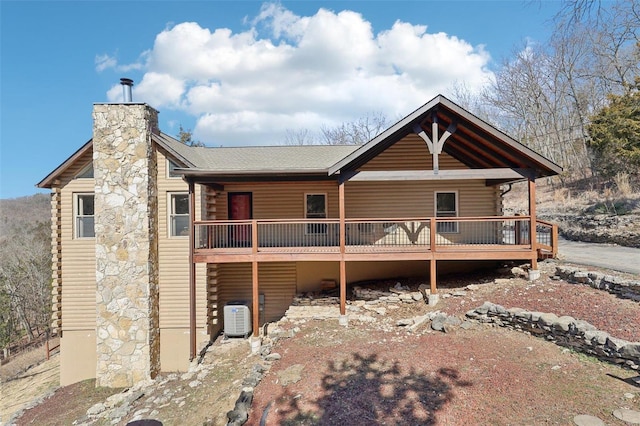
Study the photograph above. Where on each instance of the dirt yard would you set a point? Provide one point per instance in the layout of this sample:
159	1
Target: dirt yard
377	373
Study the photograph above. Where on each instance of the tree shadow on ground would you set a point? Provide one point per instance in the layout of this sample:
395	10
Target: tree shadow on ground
365	390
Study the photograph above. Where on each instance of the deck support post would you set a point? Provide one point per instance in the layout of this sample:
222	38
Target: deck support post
255	301
433	292
533	239
192	273
343	266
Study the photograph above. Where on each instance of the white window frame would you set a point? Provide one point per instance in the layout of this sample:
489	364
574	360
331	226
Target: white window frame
451	227
77	217
308	230
171	214
169	162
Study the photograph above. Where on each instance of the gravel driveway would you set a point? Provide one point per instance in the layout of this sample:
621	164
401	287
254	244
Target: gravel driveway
618	258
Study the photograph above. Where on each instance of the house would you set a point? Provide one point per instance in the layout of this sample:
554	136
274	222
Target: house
152	239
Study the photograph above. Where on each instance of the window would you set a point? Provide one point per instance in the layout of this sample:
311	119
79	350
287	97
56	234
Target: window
179	214
171	167
84	216
447	206
316	208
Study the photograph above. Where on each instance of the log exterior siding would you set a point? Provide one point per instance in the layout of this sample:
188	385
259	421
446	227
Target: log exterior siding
174	258
377	226
78	255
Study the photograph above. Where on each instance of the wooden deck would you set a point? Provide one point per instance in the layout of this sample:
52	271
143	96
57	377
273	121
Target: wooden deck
489	238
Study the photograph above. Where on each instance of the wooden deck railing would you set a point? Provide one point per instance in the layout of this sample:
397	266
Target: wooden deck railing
369	235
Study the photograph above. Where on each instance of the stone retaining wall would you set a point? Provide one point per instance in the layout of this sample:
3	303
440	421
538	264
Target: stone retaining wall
564	331
609	229
626	289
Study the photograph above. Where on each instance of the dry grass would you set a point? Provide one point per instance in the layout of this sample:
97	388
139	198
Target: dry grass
580	197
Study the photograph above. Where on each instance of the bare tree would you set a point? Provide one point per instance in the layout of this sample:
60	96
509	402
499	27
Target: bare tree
545	94
355	132
25	278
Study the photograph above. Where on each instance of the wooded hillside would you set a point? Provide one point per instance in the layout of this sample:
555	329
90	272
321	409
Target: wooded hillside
25	268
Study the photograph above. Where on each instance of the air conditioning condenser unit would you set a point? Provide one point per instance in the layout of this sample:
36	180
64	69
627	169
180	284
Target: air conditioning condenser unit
237	319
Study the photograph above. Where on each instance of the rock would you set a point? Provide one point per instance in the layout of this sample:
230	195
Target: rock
615	344
484	309
629	416
96	409
586	420
451	324
418	321
195	383
437	323
466	325
631	350
187	376
519	272
548	319
404	322
581	277
237	417
273	357
424	291
417	296
472	287
563	323
292	374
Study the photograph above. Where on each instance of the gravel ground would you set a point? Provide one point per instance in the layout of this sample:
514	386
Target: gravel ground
376	373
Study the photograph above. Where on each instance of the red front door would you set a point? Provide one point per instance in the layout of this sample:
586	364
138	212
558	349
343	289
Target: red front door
240	208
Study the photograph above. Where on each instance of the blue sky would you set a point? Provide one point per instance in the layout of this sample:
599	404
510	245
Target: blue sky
237	73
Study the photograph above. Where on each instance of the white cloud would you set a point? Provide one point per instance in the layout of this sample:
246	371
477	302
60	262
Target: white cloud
106	61
291	72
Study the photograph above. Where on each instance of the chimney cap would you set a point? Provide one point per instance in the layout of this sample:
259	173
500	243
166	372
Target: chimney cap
126	82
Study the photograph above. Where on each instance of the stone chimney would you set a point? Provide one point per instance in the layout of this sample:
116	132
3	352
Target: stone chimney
126	229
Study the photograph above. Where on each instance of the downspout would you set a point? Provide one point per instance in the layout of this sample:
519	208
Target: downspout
192	273
506	191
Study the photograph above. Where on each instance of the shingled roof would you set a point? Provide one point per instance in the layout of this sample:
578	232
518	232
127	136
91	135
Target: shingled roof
475	143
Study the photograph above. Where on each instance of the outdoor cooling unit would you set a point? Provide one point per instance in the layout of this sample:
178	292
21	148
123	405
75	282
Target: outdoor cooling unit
237	319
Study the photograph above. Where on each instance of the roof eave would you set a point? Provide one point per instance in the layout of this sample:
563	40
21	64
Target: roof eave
262	172
395	128
47	182
157	138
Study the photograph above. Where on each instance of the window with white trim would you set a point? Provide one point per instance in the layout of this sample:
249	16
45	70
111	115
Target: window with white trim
178	214
171	167
84	213
315	206
446	205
